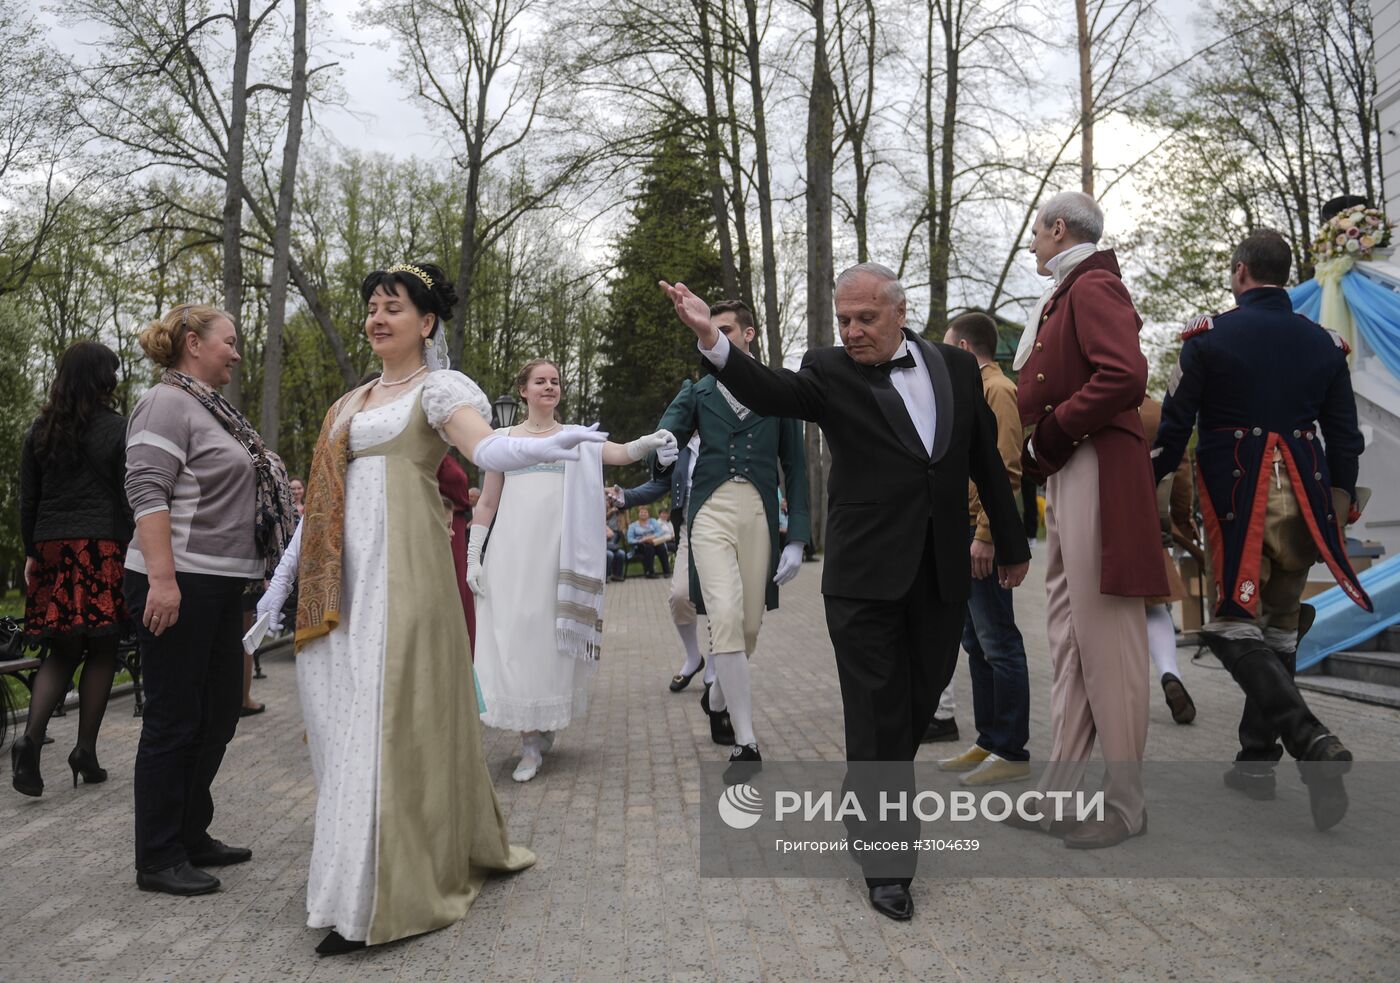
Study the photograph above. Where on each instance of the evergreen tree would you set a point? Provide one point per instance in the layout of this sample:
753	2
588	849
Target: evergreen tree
646	351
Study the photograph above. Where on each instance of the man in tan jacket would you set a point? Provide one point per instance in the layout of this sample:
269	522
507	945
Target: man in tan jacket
996	655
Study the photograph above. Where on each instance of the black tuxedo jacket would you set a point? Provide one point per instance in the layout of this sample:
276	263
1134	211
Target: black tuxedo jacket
885	494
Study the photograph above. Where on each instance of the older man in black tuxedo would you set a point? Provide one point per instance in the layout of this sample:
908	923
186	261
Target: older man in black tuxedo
907	426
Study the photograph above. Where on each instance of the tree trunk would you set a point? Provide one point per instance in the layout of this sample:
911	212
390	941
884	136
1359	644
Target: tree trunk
941	222
1086	99
282	237
931	168
821	127
765	191
734	41
713	150
233	182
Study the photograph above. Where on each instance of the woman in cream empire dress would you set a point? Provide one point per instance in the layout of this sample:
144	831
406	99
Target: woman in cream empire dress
407	822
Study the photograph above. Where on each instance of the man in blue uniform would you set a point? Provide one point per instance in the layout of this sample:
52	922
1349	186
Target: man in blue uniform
1264	381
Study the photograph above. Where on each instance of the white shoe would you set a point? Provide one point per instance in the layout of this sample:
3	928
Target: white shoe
530	761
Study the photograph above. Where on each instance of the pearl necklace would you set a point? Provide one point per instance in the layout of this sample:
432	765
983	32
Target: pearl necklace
408	378
530	429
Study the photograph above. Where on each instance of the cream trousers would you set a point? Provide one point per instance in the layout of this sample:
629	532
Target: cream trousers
730	546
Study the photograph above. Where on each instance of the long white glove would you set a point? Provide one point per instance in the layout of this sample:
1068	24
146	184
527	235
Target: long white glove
279	588
789	563
475	538
663	442
501	453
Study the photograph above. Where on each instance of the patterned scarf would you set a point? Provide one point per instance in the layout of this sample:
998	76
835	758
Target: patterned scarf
274	513
323	522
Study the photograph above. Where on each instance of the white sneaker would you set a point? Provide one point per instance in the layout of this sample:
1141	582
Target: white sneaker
530	761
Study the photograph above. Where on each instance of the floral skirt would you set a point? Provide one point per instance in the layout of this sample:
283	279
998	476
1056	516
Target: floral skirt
76	589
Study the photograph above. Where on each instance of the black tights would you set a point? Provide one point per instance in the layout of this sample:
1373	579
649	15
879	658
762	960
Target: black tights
98	655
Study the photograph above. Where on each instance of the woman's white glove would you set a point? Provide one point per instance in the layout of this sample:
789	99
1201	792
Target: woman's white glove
789	563
663	442
475	538
279	588
501	453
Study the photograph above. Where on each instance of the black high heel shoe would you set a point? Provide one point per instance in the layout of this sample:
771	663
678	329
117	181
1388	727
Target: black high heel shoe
85	763
336	944
24	762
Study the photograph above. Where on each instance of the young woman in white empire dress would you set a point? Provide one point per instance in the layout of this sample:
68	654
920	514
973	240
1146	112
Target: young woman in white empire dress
531	679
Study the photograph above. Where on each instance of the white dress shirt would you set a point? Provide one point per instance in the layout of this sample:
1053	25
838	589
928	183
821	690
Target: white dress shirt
914	386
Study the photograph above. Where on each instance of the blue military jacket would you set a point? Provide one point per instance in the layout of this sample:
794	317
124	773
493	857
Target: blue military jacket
1257	378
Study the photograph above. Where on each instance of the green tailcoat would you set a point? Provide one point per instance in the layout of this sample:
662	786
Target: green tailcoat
751	448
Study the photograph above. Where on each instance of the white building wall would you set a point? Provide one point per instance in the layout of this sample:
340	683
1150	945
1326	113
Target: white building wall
1385	28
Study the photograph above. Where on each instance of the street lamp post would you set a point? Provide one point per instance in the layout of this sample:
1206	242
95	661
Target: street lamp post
503	412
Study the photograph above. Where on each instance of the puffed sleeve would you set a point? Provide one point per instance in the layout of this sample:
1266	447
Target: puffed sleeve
446	391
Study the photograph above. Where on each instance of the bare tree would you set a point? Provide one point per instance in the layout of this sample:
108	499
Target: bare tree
282	236
821	133
753	40
857	47
469	61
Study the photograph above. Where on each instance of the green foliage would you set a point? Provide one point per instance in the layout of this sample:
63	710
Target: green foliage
646	351
19	401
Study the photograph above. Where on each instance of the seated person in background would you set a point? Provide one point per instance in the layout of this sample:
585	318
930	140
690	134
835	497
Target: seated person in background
667	539
617	548
644	534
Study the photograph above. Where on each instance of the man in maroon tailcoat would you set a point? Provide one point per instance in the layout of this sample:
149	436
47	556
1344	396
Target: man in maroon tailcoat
1082	378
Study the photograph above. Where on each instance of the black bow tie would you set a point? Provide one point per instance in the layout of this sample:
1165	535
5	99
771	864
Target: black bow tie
905	361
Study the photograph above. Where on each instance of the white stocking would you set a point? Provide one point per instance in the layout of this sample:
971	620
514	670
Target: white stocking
1161	640
732	670
692	648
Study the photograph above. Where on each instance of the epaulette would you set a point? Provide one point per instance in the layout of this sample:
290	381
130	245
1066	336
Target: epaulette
1199	324
1339	341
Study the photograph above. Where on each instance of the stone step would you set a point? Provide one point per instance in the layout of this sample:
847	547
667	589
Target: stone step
1366	667
1386	641
1376	693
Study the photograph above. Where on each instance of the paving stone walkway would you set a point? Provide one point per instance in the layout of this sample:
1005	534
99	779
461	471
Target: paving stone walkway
614	818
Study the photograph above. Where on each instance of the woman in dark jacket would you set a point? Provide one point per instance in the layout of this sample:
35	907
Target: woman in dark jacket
75	524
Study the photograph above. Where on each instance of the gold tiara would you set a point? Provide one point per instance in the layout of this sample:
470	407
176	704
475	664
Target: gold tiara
405	268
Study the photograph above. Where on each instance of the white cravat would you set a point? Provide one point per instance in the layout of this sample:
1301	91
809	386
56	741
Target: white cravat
1059	265
914	386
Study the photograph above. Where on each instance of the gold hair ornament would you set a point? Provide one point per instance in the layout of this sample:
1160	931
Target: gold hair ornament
406	268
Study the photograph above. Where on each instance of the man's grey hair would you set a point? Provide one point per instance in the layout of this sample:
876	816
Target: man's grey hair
894	290
1081	214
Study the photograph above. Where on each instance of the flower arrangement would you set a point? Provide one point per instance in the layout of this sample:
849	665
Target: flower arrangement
1353	232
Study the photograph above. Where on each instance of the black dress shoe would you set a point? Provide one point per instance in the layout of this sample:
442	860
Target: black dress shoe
1326	761
721	727
336	944
182	879
682	679
744	763
892	901
940	730
24	763
220	854
1258	785
1178	700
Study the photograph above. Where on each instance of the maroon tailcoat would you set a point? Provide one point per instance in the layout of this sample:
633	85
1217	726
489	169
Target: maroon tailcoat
1084	381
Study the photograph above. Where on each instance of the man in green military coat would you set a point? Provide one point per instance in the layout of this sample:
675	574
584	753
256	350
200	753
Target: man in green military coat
736	567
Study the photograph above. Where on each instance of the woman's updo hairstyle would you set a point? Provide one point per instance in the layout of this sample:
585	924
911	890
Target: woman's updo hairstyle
425	285
163	341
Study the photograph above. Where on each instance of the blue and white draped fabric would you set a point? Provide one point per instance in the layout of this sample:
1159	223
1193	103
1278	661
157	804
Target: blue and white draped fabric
582	559
1374	309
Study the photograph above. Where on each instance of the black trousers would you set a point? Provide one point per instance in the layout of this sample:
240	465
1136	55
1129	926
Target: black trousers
650	552
894	658
193	675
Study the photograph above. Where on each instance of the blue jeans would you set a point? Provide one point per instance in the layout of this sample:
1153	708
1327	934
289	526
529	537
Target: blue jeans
996	660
